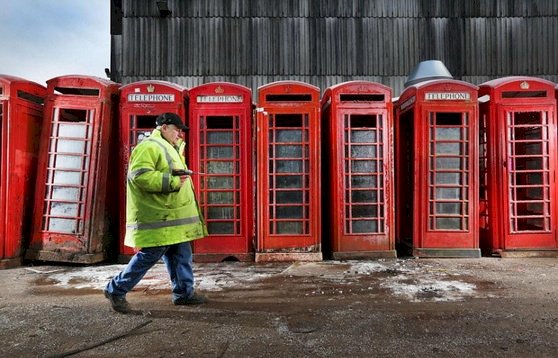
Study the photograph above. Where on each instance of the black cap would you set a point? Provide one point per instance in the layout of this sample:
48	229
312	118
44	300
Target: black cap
170	118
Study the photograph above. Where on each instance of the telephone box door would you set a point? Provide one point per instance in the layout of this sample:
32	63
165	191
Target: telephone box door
529	177
288	172
21	117
363	221
71	218
448	183
223	149
357	172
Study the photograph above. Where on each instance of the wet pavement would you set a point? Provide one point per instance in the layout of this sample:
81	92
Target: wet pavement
411	307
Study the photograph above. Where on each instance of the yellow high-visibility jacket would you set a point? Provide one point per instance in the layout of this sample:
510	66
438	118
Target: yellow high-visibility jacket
159	211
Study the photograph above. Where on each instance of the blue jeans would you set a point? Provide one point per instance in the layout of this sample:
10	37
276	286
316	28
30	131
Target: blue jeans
177	258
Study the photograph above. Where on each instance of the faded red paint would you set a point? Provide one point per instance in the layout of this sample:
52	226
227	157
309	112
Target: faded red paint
518	185
21	117
358	169
221	145
436	145
140	104
288	177
69	221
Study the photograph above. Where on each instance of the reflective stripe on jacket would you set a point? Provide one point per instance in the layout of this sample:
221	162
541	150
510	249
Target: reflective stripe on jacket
159	211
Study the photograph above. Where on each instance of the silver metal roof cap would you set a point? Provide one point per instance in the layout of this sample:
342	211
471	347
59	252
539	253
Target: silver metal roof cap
428	70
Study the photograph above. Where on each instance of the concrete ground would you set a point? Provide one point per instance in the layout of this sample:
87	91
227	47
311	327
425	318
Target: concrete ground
406	307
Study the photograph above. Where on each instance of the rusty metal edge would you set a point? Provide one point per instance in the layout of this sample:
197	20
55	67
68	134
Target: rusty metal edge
365	255
44	255
528	253
288	256
11	263
447	253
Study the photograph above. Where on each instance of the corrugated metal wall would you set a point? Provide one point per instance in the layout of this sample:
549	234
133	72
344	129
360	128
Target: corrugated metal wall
323	42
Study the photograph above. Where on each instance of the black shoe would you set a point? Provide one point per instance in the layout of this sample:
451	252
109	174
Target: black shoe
195	299
118	303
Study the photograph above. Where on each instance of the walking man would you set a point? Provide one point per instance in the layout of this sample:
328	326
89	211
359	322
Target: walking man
162	216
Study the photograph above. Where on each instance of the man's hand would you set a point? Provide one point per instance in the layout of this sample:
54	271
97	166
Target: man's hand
183	174
183	179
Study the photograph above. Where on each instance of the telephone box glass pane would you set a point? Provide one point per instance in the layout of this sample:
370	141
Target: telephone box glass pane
364	211
220	228
448	180
364	226
289	227
286	136
529	171
448	133
289	171
69	146
449	163
220	138
288	166
64	177
448	223
72	130
221	212
363	166
220	152
288	151
364	181
290	212
140	128
66	226
363	149
66	161
449	208
64	209
288	181
363	136
361	196
65	194
220	168
289	197
220	182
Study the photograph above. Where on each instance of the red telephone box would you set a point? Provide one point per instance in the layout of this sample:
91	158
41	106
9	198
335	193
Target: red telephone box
221	148
518	185
288	172
358	170
436	136
69	222
140	104
21	117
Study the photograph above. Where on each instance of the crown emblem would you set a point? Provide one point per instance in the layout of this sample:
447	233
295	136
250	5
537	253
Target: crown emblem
219	89
524	85
150	88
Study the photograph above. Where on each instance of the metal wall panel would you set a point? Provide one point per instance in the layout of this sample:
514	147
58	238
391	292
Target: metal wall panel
323	42
344	8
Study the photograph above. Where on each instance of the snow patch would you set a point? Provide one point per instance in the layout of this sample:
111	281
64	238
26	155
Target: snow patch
208	278
416	283
420	289
92	277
